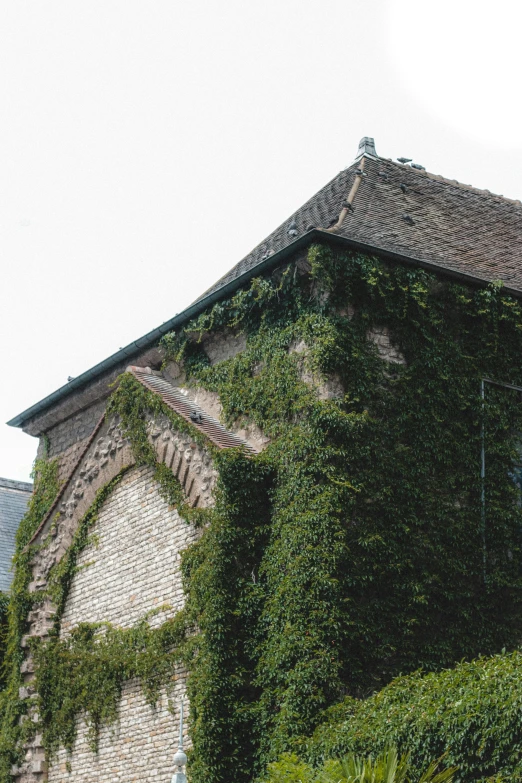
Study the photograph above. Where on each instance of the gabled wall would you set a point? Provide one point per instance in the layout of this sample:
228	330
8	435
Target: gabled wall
132	568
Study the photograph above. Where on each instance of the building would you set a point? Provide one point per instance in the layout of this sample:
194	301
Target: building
14	497
329	386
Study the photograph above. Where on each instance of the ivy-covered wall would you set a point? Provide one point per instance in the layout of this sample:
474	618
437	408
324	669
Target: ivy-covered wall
356	546
365	559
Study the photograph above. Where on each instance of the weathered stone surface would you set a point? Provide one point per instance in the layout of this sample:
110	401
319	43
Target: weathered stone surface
387	351
68	435
326	388
139	749
223	345
131	568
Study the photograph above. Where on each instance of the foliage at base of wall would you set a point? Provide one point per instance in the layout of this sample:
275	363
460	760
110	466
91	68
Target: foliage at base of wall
472	713
13	728
384	767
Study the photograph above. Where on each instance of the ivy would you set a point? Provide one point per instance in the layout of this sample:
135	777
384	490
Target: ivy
84	675
372	564
4	630
350	551
134	404
14	726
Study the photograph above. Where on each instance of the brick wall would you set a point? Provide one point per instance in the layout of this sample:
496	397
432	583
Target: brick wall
74	429
131	567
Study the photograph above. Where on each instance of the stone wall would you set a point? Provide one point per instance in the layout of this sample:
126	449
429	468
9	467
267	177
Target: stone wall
75	429
133	564
131	568
139	749
67	439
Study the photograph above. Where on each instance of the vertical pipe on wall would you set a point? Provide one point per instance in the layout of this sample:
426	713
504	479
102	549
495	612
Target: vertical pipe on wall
483	478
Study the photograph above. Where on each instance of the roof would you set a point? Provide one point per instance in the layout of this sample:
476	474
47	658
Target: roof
174	398
14	497
391	209
411	213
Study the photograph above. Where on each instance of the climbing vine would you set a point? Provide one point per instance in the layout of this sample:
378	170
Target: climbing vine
14	727
372	563
356	547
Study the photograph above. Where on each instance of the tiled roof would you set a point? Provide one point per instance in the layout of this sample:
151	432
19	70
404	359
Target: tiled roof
399	211
411	213
14	497
174	398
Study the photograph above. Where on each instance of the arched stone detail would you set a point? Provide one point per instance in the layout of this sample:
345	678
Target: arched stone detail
106	455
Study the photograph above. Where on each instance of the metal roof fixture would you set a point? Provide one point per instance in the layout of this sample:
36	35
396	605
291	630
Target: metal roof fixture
418	166
180	757
347	204
366	147
405	160
292	229
407	219
70	378
403	187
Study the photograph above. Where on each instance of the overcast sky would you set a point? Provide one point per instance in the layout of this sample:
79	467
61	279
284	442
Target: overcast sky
147	145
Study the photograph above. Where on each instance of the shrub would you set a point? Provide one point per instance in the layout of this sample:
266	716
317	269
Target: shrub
388	767
472	713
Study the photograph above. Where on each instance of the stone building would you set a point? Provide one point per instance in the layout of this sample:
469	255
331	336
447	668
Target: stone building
14	497
394	211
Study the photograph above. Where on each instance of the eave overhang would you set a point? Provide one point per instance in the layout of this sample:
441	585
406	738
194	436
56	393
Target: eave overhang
130	351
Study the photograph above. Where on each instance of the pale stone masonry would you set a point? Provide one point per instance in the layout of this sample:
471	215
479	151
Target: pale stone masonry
131	567
138	749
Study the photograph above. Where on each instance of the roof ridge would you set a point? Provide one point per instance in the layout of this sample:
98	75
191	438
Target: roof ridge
347	204
451	182
264	243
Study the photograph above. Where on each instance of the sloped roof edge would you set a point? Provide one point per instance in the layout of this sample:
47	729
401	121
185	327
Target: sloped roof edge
151	338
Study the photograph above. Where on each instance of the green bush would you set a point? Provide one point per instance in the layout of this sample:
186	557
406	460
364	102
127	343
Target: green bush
388	767
472	713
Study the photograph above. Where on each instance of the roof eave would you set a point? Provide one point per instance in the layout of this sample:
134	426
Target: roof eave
151	338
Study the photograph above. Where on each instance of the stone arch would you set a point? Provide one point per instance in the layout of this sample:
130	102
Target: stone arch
107	453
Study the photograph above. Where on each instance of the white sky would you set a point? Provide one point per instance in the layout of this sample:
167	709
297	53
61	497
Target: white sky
147	145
